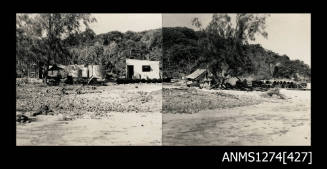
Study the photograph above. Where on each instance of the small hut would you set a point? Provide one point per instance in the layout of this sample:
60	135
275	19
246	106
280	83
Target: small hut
76	71
200	77
142	69
57	70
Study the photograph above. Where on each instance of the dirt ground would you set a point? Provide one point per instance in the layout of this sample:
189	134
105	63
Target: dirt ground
143	114
272	122
127	114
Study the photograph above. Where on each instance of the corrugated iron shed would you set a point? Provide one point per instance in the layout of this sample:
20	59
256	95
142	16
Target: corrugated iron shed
196	74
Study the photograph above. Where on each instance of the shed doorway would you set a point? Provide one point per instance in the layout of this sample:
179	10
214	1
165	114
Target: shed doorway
130	71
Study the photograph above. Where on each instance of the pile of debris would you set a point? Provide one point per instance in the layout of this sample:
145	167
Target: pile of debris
56	91
43	110
21	118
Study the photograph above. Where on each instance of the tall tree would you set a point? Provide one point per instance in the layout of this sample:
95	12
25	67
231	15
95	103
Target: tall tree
54	27
223	43
30	49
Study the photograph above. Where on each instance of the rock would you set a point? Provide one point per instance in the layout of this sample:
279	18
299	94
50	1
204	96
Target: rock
37	113
63	91
78	91
44	109
22	118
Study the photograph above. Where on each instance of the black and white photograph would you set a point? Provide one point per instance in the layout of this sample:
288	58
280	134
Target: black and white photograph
237	79
88	79
163	79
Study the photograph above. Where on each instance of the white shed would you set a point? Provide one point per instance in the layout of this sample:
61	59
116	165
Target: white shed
142	69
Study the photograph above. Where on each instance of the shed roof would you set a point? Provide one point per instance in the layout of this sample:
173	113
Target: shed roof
138	61
196	74
56	67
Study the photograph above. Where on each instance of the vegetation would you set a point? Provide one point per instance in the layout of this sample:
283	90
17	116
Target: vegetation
65	43
222	47
46	33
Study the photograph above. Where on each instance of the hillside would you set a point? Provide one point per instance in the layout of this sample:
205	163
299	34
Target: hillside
178	48
183	54
112	48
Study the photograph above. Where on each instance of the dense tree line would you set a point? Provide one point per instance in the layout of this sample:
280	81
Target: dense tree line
41	43
111	49
222	49
45	33
225	51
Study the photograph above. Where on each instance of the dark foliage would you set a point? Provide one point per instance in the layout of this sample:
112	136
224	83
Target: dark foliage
180	51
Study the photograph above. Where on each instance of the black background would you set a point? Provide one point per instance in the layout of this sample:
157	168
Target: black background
153	156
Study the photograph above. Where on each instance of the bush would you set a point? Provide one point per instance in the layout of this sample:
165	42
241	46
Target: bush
154	80
121	81
126	81
69	80
167	80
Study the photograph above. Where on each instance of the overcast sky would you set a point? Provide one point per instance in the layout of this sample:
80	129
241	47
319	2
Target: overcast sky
288	34
125	22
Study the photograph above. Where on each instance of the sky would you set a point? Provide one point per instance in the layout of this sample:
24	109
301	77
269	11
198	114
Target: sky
288	34
125	22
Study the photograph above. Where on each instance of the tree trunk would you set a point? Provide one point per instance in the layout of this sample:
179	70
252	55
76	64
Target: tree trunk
45	73
40	65
51	53
28	72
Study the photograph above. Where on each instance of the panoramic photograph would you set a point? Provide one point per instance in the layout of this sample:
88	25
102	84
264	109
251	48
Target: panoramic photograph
236	79
88	79
220	79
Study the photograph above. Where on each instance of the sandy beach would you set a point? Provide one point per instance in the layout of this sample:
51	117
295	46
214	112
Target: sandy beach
102	115
273	122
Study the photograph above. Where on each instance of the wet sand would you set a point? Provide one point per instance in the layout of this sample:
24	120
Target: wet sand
273	122
120	129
